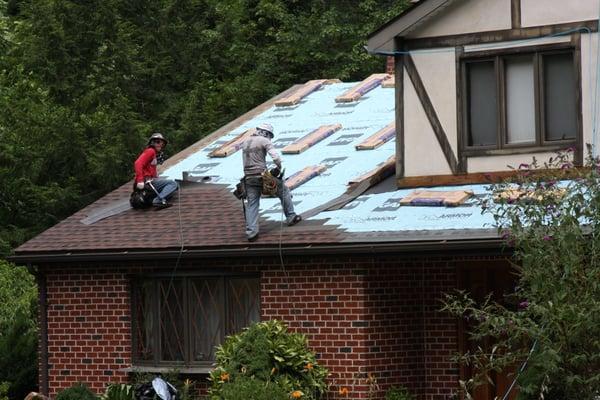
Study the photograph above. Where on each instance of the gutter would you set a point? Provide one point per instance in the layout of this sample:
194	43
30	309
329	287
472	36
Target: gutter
440	247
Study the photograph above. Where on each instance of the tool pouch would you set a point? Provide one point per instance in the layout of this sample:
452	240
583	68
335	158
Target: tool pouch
269	184
240	190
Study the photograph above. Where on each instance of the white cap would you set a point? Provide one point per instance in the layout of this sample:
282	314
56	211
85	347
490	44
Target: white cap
266	127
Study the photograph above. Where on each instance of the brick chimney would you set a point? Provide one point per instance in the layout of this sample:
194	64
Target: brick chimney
389	65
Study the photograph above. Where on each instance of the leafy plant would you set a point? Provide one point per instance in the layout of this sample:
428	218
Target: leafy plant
398	393
4	390
247	388
550	216
267	353
18	331
117	391
78	391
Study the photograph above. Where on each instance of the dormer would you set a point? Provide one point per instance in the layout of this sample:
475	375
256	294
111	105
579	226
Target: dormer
484	84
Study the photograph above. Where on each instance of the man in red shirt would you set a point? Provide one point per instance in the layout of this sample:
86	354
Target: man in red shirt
145	171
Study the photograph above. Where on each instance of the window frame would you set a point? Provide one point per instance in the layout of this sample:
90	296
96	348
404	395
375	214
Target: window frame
187	279
498	57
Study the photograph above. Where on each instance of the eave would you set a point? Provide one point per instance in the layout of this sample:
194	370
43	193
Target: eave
491	245
382	40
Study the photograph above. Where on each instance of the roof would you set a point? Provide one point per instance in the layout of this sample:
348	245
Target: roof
382	39
207	219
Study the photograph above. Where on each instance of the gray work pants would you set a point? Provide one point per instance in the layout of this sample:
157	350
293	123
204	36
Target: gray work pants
253	193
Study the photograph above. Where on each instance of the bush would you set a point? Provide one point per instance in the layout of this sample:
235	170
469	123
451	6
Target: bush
77	392
550	216
248	388
117	391
266	355
18	363
398	393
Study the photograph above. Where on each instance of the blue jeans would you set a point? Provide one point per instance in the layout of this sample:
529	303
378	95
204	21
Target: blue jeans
253	193
165	189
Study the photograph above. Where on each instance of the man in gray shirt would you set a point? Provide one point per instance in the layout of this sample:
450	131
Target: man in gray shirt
254	154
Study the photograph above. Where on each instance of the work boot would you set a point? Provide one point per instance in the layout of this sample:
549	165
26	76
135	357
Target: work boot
162	204
253	238
297	218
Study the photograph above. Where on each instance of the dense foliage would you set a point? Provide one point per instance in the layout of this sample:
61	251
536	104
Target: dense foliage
83	83
18	333
78	391
268	360
552	329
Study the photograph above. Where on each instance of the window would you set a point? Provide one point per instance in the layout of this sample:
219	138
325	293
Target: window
179	321
526	99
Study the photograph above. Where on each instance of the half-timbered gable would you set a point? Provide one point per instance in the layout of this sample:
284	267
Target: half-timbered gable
486	84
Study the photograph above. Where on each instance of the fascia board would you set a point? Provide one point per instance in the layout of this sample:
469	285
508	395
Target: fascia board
383	39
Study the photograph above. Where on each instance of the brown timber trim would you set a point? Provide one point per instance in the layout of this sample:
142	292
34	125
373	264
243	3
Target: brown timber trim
475	152
576	41
43	335
517	50
413	74
515	13
399	99
504	35
483	177
460	107
463	179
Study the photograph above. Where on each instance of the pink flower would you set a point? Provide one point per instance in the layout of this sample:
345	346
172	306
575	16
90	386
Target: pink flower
524	304
547	238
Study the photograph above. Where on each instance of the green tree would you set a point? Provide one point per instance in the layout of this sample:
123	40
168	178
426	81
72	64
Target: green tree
18	333
551	219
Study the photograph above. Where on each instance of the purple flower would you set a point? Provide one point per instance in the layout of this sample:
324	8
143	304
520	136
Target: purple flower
524	304
566	166
571	149
547	238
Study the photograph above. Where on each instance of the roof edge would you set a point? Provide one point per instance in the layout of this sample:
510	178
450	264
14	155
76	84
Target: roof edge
379	39
494	245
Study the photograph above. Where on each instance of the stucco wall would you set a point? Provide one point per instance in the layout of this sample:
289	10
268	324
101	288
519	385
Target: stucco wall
590	96
467	16
422	152
545	12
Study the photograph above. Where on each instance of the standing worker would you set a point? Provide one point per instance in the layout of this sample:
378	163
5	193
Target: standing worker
146	175
254	152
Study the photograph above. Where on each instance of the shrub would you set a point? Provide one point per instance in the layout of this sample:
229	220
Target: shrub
18	363
78	391
273	358
398	393
117	391
3	390
247	388
550	217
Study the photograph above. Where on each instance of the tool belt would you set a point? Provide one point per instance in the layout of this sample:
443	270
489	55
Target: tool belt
269	184
266	181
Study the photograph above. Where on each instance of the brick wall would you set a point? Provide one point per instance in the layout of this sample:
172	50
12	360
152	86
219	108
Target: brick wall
374	321
88	328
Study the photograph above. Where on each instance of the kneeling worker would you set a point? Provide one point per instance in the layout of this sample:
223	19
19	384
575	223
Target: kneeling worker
145	171
254	152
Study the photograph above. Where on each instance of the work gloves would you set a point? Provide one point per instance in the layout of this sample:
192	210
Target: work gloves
277	173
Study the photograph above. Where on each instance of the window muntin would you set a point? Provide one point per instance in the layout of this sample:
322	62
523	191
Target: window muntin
529	100
180	321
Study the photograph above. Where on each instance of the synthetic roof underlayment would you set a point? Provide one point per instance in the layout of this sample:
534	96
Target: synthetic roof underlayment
332	160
